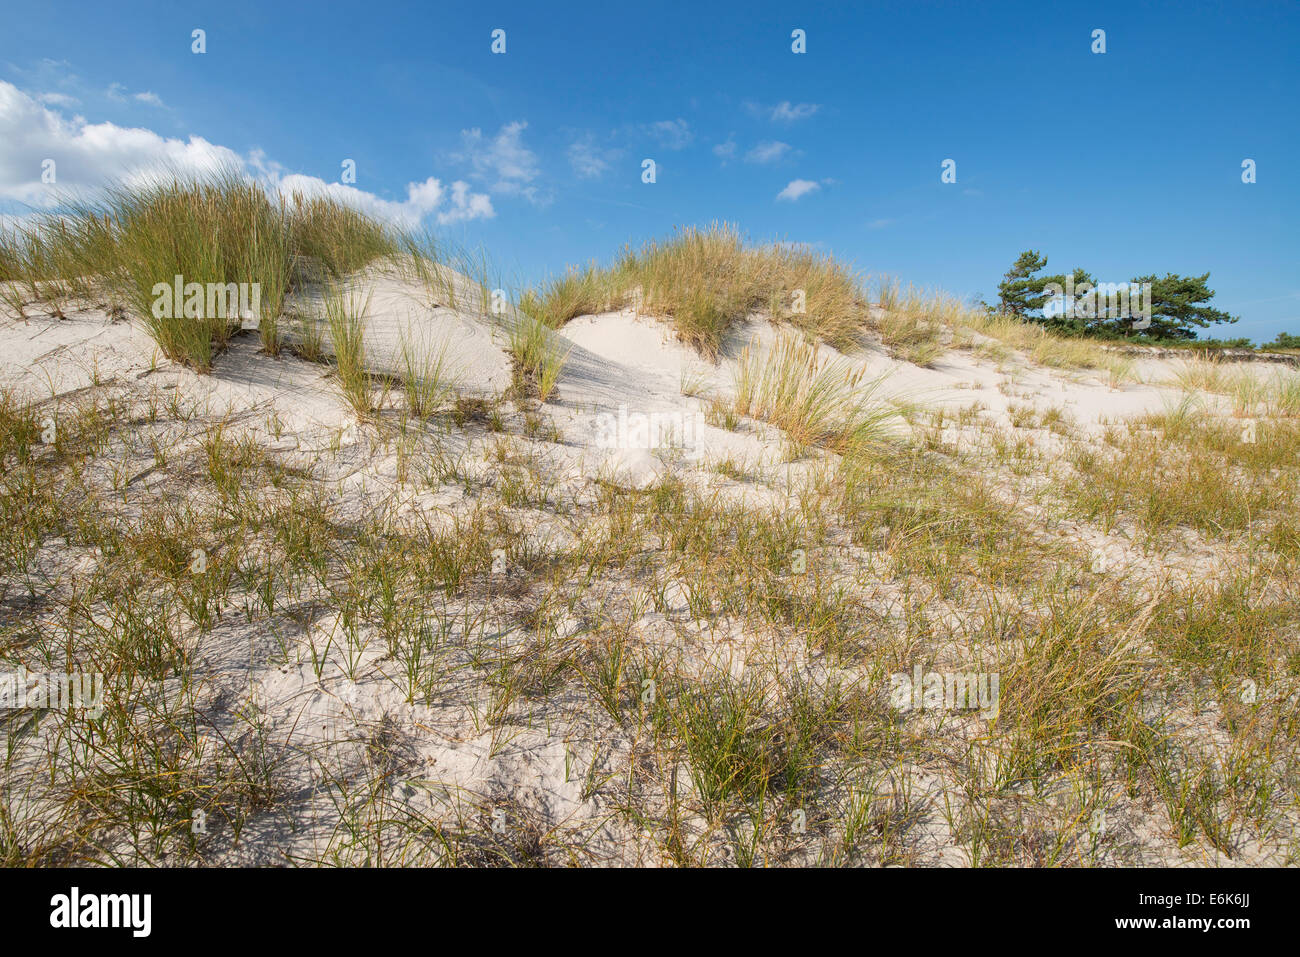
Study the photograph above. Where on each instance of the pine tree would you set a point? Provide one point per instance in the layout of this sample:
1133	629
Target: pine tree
1020	293
1179	304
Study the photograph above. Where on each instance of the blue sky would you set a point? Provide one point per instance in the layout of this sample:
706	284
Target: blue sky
1126	162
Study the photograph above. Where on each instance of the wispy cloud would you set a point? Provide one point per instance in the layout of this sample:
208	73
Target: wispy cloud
57	99
670	134
589	159
797	189
725	151
53	83
787	112
767	152
119	94
783	112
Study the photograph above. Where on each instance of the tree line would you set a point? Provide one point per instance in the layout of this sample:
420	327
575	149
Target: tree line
1076	304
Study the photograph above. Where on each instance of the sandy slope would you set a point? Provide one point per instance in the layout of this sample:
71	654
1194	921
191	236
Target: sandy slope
617	360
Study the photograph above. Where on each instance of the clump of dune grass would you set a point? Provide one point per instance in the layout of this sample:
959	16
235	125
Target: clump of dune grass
817	294
1005	329
452	276
344	315
815	401
52	258
308	342
537	355
340	239
918	325
888	293
707	280
1204	374
1063	353
1036	341
913	324
426	375
1284	394
1248	392
694	381
701	278
418	257
219	231
1119	370
214	232
579	292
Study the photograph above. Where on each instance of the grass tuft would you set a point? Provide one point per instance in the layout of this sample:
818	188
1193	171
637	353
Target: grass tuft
817	402
344	317
219	230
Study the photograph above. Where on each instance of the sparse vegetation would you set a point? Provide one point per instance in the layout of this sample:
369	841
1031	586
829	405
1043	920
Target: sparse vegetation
299	622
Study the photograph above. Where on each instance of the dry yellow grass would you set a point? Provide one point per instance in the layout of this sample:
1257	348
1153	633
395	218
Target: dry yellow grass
707	280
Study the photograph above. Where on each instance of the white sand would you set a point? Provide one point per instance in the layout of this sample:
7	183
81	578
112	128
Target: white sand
616	361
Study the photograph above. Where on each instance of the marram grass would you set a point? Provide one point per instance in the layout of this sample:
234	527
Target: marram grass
213	230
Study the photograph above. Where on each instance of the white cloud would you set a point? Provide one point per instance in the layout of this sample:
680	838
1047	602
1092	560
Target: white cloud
785	112
768	152
91	155
588	159
86	155
503	161
118	94
58	99
422	200
725	151
879	223
798	188
466	205
671	134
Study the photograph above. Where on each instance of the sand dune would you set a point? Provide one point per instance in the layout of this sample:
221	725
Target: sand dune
496	741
